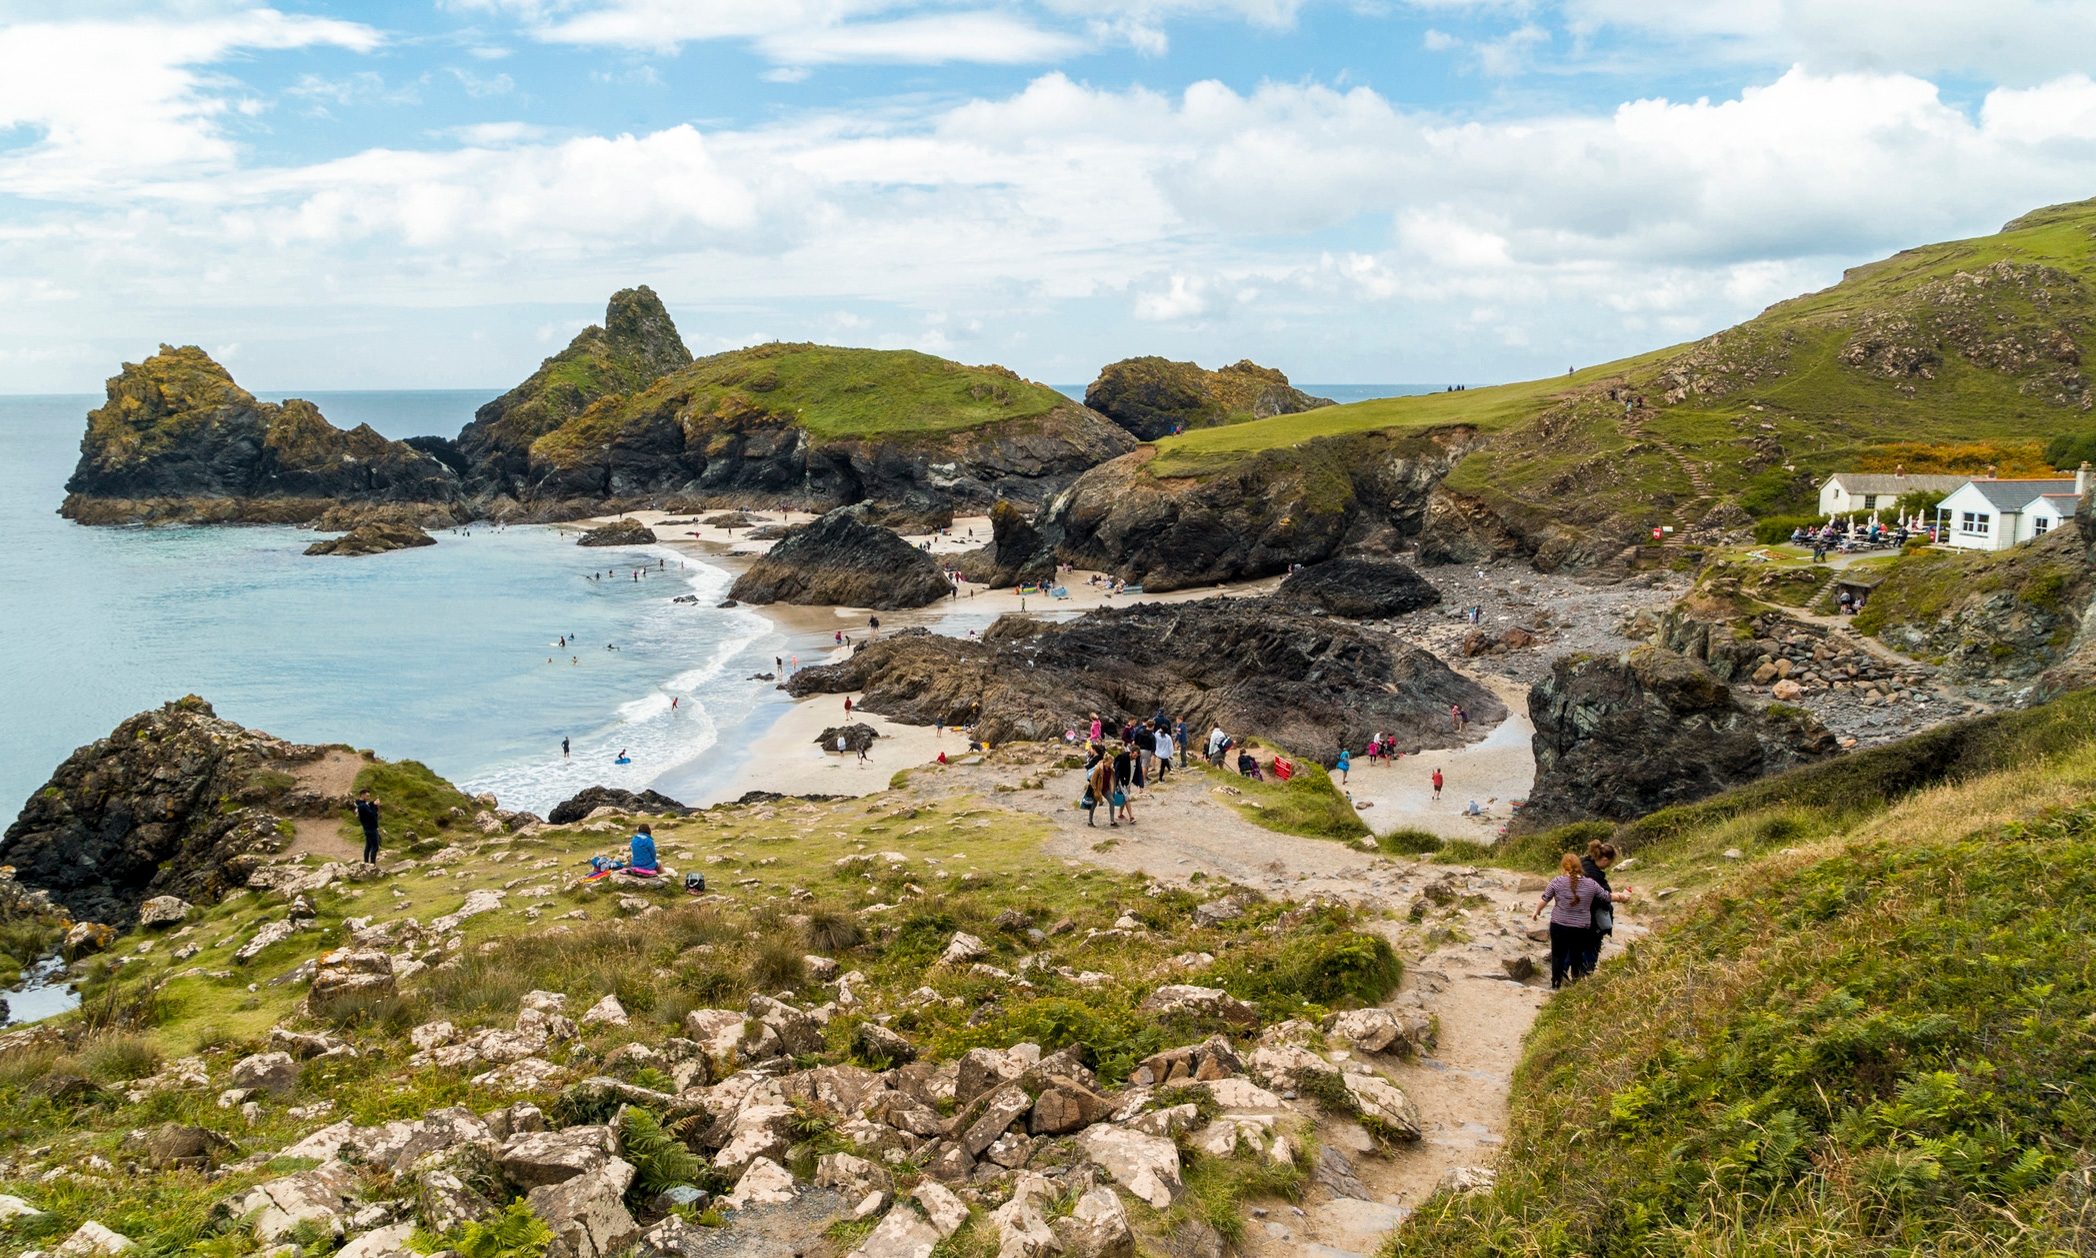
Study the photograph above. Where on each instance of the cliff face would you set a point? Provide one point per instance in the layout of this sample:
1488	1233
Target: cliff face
178	439
1258	516
174	802
637	345
1618	737
1151	397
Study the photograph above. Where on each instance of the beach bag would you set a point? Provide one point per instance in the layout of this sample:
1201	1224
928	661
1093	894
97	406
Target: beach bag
1604	918
1089	801
1120	798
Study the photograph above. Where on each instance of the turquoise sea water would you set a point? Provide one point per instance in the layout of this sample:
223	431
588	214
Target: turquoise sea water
437	654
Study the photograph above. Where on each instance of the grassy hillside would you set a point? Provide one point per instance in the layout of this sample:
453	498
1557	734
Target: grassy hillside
1869	1036
1965	343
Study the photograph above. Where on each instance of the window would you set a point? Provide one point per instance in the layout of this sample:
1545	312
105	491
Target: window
2039	524
1977	523
1870	502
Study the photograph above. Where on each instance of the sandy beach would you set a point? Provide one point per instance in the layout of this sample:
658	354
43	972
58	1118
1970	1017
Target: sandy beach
785	758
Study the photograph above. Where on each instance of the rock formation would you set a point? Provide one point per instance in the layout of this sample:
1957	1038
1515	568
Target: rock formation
1016	552
373	539
174	801
177	440
1151	397
1359	589
590	798
619	533
1252	516
1253	667
843	561
1621	736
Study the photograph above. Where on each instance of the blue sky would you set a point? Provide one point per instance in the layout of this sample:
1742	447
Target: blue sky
433	194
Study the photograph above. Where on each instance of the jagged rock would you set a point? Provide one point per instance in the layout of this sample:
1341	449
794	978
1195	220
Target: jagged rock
349	975
12	1208
92	1240
279	1206
179	1146
85	937
798	1033
385	1242
1618	737
275	1073
173	802
877	1043
1146	1165
177	440
1248	665
163	910
963	948
1152	397
851	1176
1216	911
844	561
551	1157
581	804
764	1183
1021	1223
758	1132
1360	589
856	737
985	1119
587	1212
373	539
1465	1180
1371	1030
718	1032
1379	1099
1200	1002
606	1012
619	533
1065	1106
1097	1227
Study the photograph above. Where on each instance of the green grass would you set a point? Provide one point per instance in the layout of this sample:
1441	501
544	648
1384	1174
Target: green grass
411	797
1880	1050
1309	804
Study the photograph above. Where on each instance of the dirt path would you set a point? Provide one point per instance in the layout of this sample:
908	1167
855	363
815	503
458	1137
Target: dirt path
1454	971
333	776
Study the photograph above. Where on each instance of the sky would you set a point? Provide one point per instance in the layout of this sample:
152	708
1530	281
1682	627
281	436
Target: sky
439	193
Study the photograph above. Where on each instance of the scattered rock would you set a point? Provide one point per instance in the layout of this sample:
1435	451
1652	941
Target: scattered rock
373	539
619	533
1201	1002
587	1212
92	1240
586	801
349	976
1147	1166
163	910
274	1073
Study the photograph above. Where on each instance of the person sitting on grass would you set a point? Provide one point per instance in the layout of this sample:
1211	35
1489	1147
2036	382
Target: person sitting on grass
644	860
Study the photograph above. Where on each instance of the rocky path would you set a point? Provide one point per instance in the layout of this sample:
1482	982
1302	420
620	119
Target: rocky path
1459	957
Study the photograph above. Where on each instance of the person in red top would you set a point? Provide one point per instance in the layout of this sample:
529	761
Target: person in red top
1437	784
847	705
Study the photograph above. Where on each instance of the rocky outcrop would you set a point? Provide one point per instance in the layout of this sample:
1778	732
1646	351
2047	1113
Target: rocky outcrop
373	539
637	345
178	441
1982	615
1252	516
619	533
590	798
1251	666
1017	552
841	561
855	737
174	801
1621	736
1153	397
1359	589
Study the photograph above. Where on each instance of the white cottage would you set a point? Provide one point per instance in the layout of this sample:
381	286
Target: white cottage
1846	493
1990	514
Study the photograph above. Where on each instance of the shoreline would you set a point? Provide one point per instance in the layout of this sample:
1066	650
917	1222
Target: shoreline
777	748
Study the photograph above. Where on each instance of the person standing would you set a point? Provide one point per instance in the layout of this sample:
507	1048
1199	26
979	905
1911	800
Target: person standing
1571	897
1123	779
564	746
367	817
1180	738
1345	763
1595	865
1437	785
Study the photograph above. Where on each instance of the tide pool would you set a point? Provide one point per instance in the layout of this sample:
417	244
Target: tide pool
439	654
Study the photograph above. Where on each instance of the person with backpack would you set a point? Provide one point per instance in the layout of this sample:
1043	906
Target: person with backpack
1571	897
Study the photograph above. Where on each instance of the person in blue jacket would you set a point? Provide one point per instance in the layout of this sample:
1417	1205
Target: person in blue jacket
644	850
1345	762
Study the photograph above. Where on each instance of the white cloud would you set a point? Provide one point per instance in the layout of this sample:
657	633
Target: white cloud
113	104
933	39
477	86
1183	297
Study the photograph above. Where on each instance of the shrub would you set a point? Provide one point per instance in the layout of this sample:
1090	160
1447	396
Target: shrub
1409	842
115	1058
514	1233
831	930
1777	528
660	1161
1320	962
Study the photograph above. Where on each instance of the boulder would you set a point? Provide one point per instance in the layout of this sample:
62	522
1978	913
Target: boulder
274	1073
852	1177
349	976
1359	589
758	1132
1385	1103
93	1240
385	1242
718	1032
1097	1227
1465	1180
798	1032
765	1182
587	1212
1370	1030
1065	1106
587	800
278	1206
842	561
962	949
163	910
179	1146
881	1046
1211	1059
1146	1165
1179	999
530	1159
619	533
1022	1224
606	1012
373	539
987	1118
85	937
1620	736
856	737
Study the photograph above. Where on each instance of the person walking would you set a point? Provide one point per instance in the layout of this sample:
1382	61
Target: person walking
1098	731
1164	751
1345	763
1595	865
1437	786
1099	788
847	705
1123	779
1571	897
367	817
1179	737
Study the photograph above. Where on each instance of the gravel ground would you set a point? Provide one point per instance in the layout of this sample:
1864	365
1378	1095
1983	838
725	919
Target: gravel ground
1567	617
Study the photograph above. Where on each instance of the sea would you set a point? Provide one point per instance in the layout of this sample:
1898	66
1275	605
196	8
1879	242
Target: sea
448	654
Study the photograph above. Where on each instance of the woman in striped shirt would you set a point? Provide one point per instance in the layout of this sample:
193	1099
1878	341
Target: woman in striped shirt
1571	896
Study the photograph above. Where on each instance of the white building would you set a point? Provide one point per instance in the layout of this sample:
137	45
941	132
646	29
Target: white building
1846	493
1990	514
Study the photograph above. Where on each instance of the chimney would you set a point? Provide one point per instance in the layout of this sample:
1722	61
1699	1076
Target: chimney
2082	478
1899	469
1990	471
